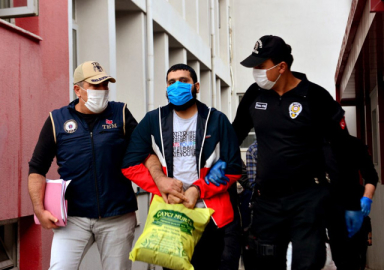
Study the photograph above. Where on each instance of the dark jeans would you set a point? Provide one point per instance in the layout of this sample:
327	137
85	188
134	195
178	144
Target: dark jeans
208	251
298	217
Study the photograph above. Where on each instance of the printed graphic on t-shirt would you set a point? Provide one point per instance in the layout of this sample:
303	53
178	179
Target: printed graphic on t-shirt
184	143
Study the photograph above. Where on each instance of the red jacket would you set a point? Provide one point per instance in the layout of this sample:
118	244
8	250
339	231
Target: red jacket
215	139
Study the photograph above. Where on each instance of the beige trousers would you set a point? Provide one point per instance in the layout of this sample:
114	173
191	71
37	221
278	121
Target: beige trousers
113	237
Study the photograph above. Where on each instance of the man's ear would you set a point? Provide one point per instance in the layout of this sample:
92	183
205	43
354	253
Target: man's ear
197	86
283	67
77	88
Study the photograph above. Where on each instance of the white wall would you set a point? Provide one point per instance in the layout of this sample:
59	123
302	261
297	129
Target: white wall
314	29
350	119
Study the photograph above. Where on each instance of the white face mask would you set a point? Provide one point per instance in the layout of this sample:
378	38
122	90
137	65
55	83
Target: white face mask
261	78
97	100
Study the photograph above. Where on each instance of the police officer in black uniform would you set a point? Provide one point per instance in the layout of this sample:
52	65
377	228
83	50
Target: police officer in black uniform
291	117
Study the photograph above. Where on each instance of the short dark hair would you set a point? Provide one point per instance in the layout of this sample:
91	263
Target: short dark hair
183	67
81	84
287	58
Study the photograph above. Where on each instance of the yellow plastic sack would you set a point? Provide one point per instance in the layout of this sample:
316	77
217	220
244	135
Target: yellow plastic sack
170	235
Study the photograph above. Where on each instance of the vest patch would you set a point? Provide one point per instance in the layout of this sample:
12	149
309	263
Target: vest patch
295	109
261	106
109	126
70	126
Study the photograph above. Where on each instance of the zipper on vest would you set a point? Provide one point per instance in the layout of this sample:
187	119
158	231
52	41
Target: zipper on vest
94	169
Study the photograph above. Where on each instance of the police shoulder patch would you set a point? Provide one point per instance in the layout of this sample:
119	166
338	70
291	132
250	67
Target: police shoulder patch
295	109
70	126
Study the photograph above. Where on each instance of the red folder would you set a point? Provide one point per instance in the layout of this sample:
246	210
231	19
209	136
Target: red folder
54	200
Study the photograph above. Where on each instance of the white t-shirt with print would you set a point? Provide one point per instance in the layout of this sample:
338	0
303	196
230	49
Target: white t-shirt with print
184	145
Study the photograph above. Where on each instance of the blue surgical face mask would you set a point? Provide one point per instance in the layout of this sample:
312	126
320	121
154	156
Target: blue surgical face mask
179	93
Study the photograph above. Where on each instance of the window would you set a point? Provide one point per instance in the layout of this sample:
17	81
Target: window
19	8
251	135
8	244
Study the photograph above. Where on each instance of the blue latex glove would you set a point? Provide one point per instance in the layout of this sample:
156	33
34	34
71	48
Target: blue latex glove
216	174
365	203
353	220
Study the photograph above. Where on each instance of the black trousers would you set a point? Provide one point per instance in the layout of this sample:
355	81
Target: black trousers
345	251
246	213
363	255
298	217
208	251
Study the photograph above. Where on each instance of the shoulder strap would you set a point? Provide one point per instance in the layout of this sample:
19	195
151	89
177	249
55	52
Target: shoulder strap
53	126
125	105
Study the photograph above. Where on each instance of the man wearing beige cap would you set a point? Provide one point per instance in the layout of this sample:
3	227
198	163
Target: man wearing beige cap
88	138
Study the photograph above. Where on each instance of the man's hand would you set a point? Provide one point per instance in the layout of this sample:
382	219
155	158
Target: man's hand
365	203
36	188
192	194
165	184
170	186
47	220
174	200
216	174
354	220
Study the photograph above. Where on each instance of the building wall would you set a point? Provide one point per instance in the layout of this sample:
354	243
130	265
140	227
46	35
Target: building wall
179	37
34	80
375	260
360	80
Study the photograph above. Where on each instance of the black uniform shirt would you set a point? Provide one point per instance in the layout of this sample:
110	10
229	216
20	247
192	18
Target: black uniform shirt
288	144
289	139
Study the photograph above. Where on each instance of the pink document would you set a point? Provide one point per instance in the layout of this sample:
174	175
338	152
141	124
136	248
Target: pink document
54	200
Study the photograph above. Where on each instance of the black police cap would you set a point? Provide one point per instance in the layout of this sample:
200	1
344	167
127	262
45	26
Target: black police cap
266	47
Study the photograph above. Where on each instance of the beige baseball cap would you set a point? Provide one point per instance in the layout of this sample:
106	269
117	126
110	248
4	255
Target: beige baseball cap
91	72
